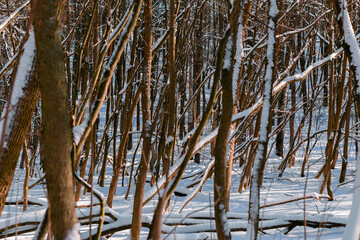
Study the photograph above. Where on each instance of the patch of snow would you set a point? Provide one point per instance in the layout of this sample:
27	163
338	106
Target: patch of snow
350	40
74	232
169	140
352	229
227	57
224	219
238	58
78	131
273	9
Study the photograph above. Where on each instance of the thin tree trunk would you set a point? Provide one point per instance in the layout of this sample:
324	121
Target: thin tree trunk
171	138
352	50
347	131
130	25
27	176
330	134
265	127
197	69
236	81
146	119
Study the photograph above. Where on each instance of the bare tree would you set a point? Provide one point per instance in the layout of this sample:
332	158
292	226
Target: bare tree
16	117
56	131
265	126
146	114
352	50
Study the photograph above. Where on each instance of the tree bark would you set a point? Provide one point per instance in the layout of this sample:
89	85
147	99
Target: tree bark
237	73
352	51
146	118
265	127
56	131
13	141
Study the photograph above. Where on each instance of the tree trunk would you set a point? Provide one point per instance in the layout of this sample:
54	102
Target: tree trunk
265	126
171	134
15	122
236	81
56	133
146	118
352	50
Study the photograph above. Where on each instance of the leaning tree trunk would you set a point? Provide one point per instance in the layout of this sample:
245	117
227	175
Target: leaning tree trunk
225	64
56	129
15	122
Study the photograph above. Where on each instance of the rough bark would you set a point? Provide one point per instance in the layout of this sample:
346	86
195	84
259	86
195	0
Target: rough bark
16	137
56	131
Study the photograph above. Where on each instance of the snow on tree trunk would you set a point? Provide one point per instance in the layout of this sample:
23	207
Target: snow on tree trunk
16	117
352	229
73	233
260	159
352	50
225	63
24	71
222	226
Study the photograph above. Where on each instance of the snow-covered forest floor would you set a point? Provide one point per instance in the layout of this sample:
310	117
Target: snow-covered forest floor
196	220
133	86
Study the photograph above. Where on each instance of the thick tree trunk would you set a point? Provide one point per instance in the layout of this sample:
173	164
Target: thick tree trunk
56	132
226	64
18	120
220	153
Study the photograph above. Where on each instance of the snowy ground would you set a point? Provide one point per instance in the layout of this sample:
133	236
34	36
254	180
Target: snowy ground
200	209
274	190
